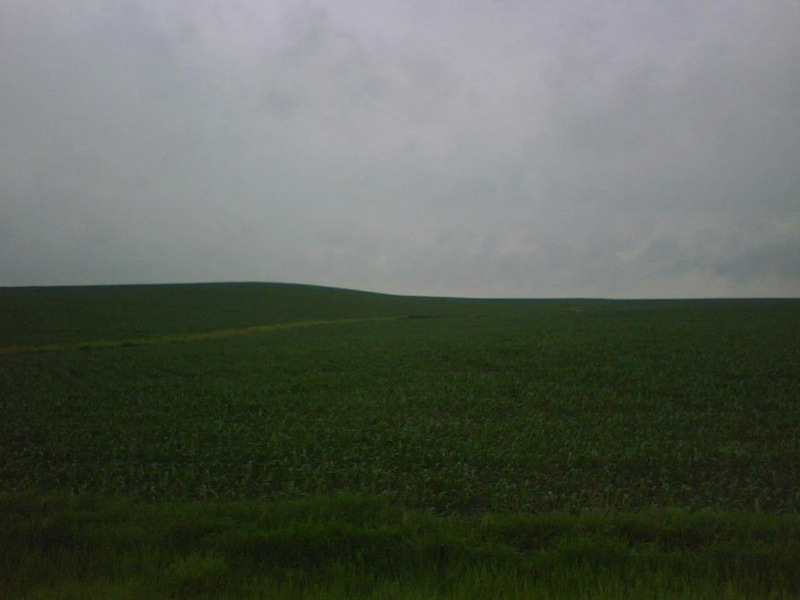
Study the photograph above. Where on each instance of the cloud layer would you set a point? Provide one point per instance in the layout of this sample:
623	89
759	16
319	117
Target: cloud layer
482	149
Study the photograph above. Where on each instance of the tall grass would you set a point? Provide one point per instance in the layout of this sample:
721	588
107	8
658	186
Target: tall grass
360	547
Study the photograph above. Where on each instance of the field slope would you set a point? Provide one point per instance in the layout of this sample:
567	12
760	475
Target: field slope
273	440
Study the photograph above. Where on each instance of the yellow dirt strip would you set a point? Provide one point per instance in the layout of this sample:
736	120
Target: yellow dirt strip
184	337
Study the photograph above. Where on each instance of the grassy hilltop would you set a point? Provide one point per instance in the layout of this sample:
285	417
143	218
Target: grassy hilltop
266	440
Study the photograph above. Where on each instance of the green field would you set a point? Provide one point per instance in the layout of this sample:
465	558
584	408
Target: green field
264	440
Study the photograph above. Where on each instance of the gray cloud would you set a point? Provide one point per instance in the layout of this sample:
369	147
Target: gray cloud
486	149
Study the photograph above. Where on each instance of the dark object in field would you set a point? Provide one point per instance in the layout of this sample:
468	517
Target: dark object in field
422	317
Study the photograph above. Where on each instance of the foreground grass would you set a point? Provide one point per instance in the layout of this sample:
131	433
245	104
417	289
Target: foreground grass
359	547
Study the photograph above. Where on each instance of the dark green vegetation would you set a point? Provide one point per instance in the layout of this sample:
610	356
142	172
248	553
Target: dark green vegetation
351	546
467	429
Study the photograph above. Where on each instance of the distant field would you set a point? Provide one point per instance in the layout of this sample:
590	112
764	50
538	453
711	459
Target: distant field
490	405
460	407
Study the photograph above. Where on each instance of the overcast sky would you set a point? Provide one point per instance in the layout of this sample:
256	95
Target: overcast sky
643	148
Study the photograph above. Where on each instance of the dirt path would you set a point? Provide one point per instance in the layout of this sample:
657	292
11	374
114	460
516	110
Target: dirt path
183	337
